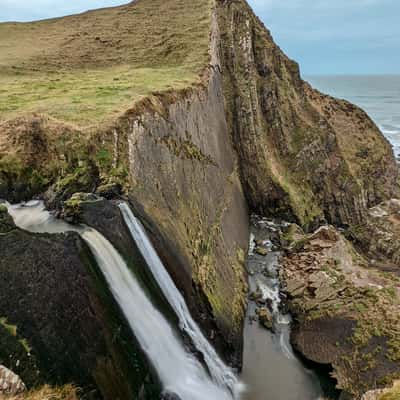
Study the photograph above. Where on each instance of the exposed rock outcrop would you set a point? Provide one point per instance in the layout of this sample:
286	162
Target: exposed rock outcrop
346	312
384	394
10	383
302	154
378	235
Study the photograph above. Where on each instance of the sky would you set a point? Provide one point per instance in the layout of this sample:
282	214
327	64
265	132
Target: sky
324	36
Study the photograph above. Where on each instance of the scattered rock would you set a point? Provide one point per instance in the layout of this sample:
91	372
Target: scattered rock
256	296
320	279
265	317
333	295
262	251
10	383
72	209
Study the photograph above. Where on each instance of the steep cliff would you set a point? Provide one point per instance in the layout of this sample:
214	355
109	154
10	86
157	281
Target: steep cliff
200	120
171	151
302	154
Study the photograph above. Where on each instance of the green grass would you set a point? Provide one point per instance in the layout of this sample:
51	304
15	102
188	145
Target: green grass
94	66
85	97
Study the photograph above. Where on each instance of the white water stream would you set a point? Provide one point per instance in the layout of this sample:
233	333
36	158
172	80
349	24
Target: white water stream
220	373
179	371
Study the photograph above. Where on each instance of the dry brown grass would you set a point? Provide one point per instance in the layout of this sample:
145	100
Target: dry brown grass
88	67
67	392
392	394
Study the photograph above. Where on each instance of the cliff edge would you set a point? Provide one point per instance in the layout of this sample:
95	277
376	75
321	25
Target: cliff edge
195	112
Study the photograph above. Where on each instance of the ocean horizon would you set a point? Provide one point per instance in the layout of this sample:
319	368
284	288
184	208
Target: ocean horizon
377	94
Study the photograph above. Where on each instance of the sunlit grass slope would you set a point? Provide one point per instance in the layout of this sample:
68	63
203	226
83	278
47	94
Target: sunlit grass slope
90	67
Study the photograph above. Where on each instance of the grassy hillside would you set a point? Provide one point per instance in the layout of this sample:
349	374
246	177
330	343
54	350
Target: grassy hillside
90	67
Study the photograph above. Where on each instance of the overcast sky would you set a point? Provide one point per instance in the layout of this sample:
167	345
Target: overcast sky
324	36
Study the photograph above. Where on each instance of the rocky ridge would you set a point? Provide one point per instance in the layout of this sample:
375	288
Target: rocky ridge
193	161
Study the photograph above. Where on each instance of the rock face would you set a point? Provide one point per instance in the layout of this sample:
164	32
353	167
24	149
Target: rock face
302	154
183	174
384	394
58	322
378	235
10	383
346	311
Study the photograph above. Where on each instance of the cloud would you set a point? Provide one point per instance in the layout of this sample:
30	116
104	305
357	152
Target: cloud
24	10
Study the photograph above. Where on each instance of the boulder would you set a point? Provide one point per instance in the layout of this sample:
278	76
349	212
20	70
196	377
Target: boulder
10	383
262	251
256	296
265	318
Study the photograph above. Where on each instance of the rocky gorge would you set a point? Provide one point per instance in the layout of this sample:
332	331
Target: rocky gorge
240	133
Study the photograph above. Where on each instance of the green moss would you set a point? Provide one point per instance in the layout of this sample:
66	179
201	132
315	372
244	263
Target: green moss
16	354
186	149
11	329
104	159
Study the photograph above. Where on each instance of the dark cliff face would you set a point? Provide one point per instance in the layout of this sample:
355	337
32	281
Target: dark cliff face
183	174
58	318
302	154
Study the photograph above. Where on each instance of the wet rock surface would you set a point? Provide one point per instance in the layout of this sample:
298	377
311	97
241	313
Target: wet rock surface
267	329
58	324
169	396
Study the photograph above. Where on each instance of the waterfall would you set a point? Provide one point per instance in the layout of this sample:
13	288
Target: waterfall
179	371
220	373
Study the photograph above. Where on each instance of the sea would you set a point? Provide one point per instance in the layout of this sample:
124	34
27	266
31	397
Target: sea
378	95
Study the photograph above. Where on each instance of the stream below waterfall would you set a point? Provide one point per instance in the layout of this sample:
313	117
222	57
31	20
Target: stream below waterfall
271	370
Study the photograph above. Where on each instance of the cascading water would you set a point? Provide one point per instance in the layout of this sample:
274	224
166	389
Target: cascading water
220	373
288	379
178	370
